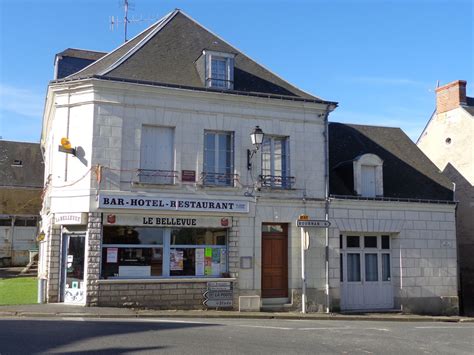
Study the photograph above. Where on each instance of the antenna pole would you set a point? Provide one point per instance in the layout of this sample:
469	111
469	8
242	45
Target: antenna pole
125	20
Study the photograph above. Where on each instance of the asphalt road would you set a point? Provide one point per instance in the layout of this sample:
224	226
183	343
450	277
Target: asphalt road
231	336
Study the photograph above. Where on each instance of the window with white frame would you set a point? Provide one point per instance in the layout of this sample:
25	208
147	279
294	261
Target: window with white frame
157	155
368	175
218	158
275	162
219	70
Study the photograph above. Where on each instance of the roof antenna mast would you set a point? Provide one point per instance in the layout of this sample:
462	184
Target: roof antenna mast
115	20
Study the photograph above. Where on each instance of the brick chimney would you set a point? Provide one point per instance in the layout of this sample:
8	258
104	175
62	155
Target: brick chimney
450	96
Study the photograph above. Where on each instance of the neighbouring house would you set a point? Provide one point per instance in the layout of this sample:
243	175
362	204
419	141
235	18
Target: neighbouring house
448	140
393	241
72	60
176	171
21	186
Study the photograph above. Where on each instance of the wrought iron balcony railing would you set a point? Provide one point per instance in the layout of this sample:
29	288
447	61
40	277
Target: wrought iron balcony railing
277	182
150	176
218	179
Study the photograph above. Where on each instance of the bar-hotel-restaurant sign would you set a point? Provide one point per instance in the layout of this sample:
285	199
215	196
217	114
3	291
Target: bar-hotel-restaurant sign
172	204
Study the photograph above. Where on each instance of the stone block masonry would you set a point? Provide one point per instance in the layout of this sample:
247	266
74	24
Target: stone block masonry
156	294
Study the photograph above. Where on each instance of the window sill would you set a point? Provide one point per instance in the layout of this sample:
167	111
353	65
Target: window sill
166	281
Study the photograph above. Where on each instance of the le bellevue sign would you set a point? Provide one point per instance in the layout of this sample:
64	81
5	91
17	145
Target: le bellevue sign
167	221
172	204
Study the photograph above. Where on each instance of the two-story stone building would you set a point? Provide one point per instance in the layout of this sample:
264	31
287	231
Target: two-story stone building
164	190
166	198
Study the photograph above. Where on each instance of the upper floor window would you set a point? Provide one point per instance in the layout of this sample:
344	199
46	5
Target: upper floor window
219	70
218	158
157	155
276	162
368	175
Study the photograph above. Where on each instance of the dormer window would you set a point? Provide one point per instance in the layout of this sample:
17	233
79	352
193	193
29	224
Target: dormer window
368	175
216	69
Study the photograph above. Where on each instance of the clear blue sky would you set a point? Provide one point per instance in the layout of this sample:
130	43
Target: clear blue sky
379	59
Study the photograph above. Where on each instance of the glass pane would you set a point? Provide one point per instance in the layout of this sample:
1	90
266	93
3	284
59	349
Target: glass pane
385	242
353	267
272	228
132	262
133	235
385	267
352	241
371	268
197	261
340	241
370	242
191	236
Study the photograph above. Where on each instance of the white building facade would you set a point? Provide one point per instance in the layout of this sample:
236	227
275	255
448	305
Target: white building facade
163	201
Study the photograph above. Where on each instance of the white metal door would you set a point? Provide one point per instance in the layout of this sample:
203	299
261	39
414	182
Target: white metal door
157	155
366	277
368	181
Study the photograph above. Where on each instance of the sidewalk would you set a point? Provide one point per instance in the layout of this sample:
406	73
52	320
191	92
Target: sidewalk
60	310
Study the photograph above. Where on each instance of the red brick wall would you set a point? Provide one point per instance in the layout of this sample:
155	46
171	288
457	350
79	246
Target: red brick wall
450	96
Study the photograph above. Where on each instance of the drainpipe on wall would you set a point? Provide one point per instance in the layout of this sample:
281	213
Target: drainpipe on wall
326	204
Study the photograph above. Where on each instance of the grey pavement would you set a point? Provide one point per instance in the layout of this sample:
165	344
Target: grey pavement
62	310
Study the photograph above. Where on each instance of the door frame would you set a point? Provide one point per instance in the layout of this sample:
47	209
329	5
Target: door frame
362	286
65	236
283	234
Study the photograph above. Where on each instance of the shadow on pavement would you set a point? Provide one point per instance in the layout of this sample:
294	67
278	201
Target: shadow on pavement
82	337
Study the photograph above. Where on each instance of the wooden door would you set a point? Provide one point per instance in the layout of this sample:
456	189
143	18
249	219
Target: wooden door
274	260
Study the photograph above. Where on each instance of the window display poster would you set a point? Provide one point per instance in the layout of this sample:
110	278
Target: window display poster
112	255
208	262
216	262
176	260
199	256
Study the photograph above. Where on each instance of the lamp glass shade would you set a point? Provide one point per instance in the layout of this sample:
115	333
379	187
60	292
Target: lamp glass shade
256	136
66	143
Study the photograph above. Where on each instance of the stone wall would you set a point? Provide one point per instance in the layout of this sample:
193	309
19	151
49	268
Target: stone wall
53	265
93	258
156	294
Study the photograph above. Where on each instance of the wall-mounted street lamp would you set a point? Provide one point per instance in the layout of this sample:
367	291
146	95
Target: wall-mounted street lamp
66	147
257	139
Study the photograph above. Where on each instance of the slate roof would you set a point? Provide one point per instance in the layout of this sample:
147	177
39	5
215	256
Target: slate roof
72	60
470	105
166	52
407	172
30	173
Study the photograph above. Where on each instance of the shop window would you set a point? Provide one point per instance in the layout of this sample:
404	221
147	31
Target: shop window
385	242
218	158
385	267
143	252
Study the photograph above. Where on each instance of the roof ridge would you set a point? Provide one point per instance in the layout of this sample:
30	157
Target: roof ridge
253	60
114	50
159	25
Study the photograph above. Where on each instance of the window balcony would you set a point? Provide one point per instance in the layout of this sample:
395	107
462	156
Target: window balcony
276	182
219	179
162	177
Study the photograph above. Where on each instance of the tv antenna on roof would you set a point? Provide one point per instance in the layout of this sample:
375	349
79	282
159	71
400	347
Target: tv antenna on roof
115	21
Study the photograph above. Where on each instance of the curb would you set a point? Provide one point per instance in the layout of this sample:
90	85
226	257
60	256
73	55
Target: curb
148	315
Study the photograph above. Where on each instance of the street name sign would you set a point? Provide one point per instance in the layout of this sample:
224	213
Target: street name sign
313	223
